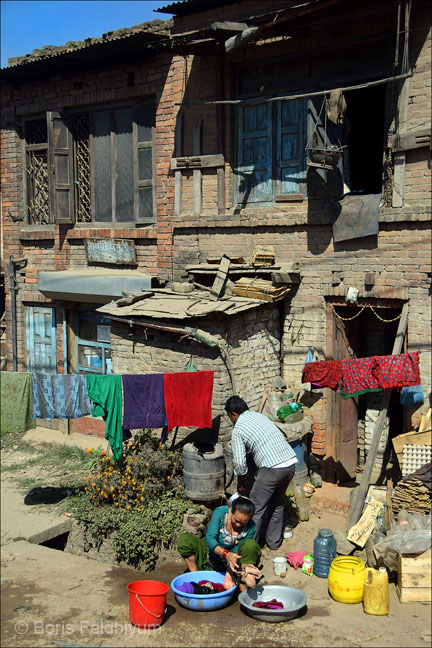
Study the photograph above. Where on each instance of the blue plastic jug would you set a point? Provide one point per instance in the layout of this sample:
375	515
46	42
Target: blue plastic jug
324	552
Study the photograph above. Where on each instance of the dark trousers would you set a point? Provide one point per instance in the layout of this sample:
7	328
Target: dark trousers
267	494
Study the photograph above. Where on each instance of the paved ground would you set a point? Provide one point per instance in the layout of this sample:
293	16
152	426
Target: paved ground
52	598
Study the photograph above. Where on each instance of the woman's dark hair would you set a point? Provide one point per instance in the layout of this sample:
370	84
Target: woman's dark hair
236	405
244	505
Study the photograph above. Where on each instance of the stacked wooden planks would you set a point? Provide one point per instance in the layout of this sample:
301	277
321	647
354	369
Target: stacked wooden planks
259	289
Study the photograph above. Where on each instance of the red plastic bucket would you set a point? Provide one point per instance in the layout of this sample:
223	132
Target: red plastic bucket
147	603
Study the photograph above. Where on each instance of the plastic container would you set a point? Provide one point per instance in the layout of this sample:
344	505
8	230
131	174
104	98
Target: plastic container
287	532
279	566
302	502
376	591
286	410
346	579
202	602
147	603
203	471
324	552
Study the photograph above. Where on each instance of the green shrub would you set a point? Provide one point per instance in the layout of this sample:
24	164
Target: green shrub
138	500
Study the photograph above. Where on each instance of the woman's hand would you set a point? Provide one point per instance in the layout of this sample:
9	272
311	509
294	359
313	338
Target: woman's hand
232	559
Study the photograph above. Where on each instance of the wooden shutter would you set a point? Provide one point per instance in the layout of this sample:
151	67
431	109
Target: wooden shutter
322	182
254	153
60	156
290	146
144	164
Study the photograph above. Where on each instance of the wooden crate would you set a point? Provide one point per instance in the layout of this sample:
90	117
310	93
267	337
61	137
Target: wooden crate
414	577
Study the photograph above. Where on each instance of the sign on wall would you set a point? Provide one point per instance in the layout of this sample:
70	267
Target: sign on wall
119	251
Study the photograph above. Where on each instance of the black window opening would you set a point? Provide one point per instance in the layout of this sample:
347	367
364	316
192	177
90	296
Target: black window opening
92	167
363	136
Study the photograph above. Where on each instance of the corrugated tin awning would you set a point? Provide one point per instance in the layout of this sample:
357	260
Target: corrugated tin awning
166	304
91	285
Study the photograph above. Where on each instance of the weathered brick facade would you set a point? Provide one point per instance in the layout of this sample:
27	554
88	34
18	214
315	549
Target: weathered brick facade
265	342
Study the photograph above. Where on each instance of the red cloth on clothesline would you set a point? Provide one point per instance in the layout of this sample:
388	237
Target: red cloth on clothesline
188	397
400	370
327	373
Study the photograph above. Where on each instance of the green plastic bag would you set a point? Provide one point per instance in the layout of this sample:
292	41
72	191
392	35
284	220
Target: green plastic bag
191	365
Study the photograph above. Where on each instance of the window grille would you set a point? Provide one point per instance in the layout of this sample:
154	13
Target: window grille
81	129
38	196
37	132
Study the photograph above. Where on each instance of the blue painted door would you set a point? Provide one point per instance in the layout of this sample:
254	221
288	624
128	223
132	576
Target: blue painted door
41	339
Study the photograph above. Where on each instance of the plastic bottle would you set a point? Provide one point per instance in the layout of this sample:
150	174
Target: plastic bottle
302	502
376	591
324	552
286	410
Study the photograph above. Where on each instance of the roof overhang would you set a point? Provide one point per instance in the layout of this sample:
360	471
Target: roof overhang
91	286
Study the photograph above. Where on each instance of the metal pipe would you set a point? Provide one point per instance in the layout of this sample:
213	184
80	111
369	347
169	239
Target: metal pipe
13	291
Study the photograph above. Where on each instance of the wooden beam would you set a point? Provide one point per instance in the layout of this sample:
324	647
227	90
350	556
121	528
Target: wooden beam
197	173
357	502
220	278
196	162
177	175
228	25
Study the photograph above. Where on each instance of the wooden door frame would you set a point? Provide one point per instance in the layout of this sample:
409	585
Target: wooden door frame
332	415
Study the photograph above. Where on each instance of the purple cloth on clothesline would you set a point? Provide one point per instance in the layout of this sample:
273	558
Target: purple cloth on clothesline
144	404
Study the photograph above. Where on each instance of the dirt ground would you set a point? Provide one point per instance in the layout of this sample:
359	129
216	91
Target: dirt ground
55	598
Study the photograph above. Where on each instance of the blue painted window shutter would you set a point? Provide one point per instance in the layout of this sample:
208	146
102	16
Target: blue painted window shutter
254	153
290	146
271	150
41	339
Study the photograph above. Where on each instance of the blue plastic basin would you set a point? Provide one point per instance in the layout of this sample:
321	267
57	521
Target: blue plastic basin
202	602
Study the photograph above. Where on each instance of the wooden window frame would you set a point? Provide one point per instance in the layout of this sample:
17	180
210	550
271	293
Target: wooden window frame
145	102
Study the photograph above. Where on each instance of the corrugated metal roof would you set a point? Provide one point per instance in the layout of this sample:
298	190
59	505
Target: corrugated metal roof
166	304
156	30
185	7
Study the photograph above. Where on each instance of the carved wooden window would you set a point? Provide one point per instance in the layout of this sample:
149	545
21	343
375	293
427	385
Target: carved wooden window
95	166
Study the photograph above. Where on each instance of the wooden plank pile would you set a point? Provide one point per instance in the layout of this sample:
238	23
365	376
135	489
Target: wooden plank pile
263	255
413	495
259	289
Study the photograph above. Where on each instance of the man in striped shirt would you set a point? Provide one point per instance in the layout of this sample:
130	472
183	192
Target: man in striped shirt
274	458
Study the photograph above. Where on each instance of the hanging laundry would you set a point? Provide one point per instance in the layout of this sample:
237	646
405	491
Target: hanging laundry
143	400
16	405
326	373
105	392
188	397
399	370
61	396
358	377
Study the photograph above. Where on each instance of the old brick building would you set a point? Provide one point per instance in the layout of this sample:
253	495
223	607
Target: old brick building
178	141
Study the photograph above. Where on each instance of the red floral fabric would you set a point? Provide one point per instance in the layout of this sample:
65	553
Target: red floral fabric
357	375
400	370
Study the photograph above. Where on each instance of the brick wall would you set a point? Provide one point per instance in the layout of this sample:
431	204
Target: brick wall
399	256
252	342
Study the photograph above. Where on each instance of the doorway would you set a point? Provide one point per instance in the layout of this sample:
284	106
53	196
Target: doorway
356	333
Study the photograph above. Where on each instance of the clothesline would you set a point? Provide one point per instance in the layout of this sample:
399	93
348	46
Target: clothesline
129	401
356	376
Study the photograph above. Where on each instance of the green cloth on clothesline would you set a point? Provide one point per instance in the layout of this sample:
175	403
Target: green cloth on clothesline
105	393
16	402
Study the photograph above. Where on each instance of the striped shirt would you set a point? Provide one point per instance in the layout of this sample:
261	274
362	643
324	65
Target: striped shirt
255	433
